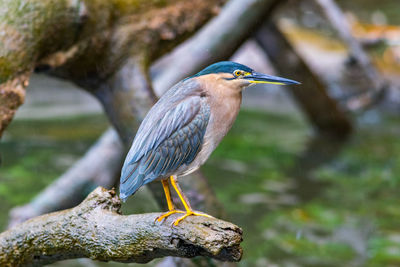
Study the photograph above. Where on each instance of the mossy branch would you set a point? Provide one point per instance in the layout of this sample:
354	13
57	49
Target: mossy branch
95	229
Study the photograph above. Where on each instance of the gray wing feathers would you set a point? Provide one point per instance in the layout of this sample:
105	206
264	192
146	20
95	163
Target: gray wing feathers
160	124
161	148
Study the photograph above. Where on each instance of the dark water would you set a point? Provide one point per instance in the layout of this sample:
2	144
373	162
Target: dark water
300	200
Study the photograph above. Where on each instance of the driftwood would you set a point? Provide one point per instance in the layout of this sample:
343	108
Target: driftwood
312	97
95	229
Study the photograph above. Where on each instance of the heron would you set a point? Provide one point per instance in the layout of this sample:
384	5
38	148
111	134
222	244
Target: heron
184	127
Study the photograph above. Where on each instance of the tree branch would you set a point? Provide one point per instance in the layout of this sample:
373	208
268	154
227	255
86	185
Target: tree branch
216	41
95	229
97	35
12	95
320	109
375	85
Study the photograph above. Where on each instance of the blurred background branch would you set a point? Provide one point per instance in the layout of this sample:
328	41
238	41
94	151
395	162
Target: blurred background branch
361	60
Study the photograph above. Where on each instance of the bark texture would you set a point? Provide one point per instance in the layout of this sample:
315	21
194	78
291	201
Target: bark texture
95	229
12	95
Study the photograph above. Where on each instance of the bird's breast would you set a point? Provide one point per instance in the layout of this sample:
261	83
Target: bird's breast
224	103
223	115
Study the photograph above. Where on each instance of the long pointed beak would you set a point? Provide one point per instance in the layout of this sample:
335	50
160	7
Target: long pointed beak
257	77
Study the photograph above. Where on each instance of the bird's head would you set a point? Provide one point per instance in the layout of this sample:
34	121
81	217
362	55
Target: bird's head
240	76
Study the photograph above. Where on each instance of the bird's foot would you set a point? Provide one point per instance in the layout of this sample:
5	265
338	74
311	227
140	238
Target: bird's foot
190	213
167	214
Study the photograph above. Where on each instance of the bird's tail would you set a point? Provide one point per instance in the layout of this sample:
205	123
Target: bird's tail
130	181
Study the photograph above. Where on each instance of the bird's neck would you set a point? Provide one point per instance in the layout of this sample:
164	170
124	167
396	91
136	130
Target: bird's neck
224	100
219	85
223	96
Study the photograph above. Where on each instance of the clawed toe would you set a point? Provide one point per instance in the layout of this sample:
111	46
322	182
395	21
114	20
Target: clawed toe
188	210
167	214
190	213
177	221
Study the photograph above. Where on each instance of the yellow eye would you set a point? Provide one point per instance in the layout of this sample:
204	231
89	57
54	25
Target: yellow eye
238	73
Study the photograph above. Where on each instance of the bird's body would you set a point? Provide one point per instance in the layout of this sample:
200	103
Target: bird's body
192	97
224	104
184	127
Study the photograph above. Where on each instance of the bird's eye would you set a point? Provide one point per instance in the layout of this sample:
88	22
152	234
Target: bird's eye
238	73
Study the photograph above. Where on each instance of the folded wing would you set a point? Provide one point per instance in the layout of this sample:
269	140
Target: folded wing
169	137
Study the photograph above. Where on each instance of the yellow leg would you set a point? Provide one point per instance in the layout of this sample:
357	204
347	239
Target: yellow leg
171	206
185	203
167	192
